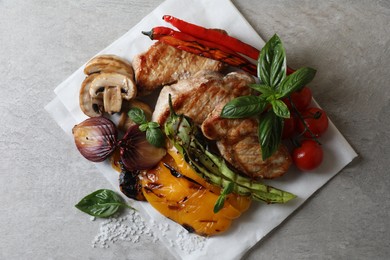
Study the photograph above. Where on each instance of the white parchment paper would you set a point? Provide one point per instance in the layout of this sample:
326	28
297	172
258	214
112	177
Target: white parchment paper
260	219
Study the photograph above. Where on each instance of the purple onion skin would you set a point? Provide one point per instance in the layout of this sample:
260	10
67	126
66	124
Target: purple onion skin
137	153
96	138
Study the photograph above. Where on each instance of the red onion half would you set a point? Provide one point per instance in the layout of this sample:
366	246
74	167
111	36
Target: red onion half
95	138
137	153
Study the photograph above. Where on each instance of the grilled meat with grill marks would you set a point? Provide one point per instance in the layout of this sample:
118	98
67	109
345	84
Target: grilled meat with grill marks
202	98
198	96
245	155
162	65
238	143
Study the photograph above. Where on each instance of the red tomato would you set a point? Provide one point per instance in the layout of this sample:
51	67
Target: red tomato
301	99
288	128
315	119
308	156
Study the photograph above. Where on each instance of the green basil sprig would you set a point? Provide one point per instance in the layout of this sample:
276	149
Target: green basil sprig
222	197
102	203
154	135
267	105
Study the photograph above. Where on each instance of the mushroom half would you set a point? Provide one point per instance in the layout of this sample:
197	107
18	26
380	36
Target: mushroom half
112	87
109	63
92	107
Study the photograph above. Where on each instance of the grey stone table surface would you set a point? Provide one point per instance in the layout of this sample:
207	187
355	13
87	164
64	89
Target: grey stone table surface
41	175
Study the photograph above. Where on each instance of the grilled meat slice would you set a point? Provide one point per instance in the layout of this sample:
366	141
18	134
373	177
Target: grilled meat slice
238	143
198	96
215	127
245	155
163	64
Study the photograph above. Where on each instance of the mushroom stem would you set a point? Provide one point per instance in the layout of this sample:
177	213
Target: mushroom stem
112	99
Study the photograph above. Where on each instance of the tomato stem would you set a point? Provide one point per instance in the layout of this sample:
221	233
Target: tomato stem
303	122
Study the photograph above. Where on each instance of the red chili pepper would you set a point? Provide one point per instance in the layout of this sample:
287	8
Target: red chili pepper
200	47
213	36
160	31
217	37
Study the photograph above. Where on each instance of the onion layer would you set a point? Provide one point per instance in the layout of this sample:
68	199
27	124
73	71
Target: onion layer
95	138
137	153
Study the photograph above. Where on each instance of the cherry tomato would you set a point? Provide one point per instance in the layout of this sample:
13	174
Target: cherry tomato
288	128
315	119
308	156
301	99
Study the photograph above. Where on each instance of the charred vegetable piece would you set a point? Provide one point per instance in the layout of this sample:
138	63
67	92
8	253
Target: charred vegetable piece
170	191
136	152
212	35
202	48
217	37
183	134
112	87
130	184
125	121
95	138
109	63
109	82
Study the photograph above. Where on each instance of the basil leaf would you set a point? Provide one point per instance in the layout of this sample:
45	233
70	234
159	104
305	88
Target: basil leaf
228	189
280	108
244	106
272	63
296	81
137	115
153	125
221	199
264	89
155	137
101	203
219	203
143	127
270	133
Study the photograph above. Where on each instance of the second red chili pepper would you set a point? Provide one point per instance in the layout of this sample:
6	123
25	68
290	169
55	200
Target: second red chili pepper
217	37
200	47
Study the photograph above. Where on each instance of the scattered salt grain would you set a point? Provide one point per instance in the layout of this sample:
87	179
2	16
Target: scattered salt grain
128	228
132	228
188	242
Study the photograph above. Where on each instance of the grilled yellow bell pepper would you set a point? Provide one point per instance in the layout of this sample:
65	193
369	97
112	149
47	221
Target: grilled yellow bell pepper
188	199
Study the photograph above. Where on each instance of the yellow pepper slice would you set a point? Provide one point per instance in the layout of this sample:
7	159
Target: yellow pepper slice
188	199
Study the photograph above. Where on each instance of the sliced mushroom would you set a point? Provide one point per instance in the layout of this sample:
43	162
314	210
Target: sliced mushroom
92	107
124	121
113	87
112	99
109	63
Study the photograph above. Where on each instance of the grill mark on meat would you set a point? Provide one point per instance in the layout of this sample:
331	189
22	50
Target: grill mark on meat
217	128
238	143
198	96
245	154
162	65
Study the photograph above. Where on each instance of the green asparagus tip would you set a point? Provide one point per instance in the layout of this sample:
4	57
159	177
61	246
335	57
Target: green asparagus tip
287	196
